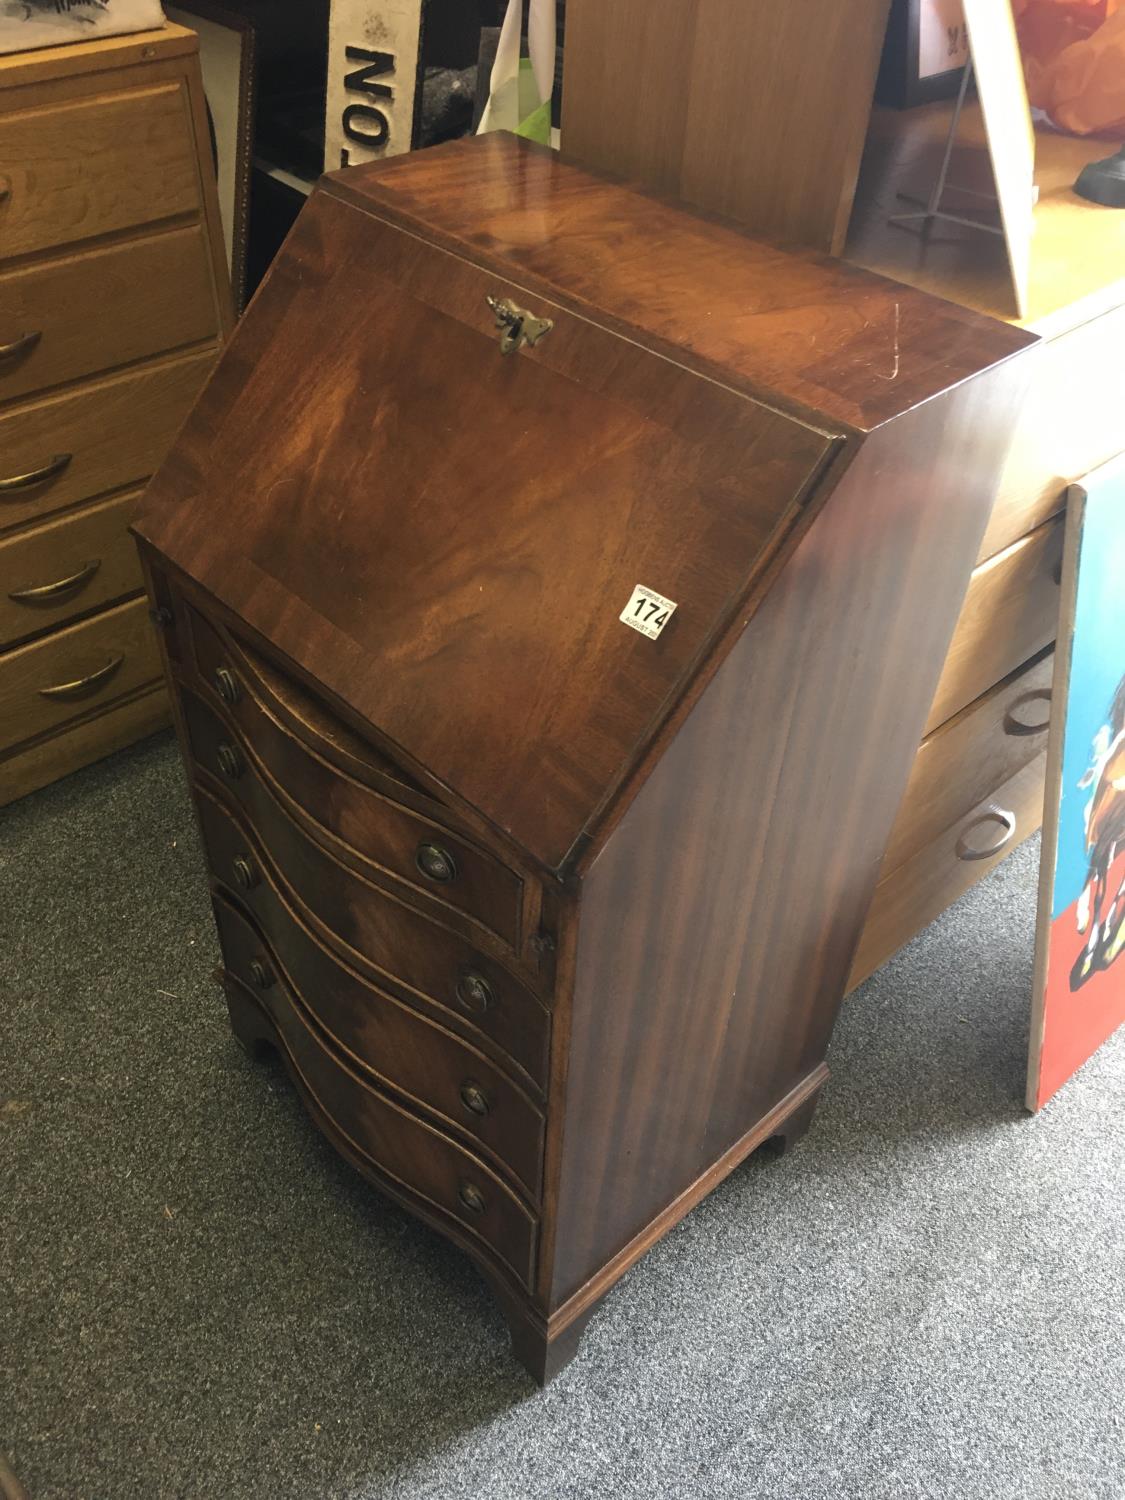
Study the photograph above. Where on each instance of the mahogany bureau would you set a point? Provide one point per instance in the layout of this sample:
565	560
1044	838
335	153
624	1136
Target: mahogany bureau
551	916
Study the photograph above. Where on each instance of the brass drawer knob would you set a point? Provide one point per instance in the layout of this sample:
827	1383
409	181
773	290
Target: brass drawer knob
231	762
245	874
261	973
474	992
226	685
471	1197
436	863
474	1098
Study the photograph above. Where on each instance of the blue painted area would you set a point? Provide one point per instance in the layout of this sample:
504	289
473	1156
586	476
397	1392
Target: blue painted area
1096	669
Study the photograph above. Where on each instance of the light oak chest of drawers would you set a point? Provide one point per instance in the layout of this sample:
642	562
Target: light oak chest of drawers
113	300
550	918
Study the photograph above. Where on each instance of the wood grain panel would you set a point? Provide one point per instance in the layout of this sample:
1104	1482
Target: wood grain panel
743	107
105	307
117	431
67	659
959	764
1010	613
709	960
86	168
92	549
799	329
917	892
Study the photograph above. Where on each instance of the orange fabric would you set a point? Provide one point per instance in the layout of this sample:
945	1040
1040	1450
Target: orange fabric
1074	58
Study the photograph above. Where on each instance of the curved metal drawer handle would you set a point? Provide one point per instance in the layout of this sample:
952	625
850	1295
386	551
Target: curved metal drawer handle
44	592
36	476
23	345
1001	815
1012	725
83	685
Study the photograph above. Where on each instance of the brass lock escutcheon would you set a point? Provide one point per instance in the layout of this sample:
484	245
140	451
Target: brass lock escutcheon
519	326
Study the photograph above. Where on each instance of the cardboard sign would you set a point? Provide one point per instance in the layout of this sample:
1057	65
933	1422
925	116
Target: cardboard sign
374	49
1079	997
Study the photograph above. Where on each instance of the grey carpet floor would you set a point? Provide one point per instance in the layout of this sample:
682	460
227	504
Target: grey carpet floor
199	1299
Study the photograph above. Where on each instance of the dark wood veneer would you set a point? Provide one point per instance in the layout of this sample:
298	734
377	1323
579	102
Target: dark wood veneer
669	845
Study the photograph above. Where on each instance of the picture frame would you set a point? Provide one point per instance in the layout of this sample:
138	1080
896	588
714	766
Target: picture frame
924	56
1078	996
227	55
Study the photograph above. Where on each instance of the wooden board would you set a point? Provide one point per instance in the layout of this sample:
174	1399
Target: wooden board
1079	987
998	69
749	108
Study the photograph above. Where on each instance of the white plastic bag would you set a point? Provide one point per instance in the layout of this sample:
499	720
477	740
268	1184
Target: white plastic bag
521	88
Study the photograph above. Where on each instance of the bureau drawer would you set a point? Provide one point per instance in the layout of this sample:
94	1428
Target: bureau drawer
404	1050
103	308
67	567
95	165
402	1148
1010	613
966	757
48	683
100	437
911	897
399	842
412	956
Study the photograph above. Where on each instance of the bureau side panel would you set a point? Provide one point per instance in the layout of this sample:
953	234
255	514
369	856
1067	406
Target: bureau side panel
719	923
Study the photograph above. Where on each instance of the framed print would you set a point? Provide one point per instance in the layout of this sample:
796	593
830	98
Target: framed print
1079	986
925	53
226	55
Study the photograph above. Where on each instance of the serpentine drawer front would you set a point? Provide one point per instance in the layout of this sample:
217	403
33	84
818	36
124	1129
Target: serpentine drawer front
459	1085
538	567
399	948
390	842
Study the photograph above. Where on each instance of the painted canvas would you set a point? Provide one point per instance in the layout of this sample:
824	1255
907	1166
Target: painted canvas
1079	996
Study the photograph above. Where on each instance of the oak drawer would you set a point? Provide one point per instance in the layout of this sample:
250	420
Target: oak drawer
110	162
912	896
402	1049
398	1146
963	759
376	829
1010	613
414	958
102	436
48	683
102	308
1071	423
67	567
